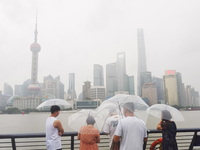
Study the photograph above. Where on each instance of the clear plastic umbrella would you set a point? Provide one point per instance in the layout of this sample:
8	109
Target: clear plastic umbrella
78	119
116	103
156	110
48	103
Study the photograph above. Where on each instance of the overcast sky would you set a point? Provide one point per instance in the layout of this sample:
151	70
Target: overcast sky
75	34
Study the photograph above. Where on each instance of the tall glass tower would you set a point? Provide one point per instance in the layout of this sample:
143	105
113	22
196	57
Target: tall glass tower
142	65
98	75
71	90
121	71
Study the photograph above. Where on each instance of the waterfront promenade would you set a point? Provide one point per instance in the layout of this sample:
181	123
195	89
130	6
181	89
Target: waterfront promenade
27	132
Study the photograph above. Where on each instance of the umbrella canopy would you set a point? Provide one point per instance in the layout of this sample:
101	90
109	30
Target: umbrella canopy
78	119
156	110
48	103
116	102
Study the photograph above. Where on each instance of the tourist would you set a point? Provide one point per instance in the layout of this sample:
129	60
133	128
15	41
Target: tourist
130	131
168	129
111	125
89	136
54	130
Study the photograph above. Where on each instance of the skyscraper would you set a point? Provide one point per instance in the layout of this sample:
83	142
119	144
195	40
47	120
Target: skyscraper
98	75
149	91
160	89
121	71
71	90
34	87
86	90
111	80
142	66
7	90
171	88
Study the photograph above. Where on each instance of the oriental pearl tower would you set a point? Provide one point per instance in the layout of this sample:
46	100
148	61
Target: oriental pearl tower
34	88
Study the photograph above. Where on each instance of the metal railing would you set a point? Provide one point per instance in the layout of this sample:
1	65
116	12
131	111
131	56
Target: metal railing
186	139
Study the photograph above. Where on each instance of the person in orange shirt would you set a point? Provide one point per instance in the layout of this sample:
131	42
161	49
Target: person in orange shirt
89	136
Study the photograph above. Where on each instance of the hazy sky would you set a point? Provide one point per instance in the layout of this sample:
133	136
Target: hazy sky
75	34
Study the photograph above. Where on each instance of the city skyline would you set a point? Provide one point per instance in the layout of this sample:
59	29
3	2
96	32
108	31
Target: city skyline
95	36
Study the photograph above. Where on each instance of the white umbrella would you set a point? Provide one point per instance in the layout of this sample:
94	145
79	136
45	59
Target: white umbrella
116	102
48	103
78	119
156	110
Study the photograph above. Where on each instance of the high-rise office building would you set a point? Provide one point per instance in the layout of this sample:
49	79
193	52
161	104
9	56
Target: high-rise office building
142	65
34	88
60	88
180	89
149	91
145	77
86	90
7	90
130	83
121	71
53	88
97	92
98	75
171	88
111	80
71	88
160	89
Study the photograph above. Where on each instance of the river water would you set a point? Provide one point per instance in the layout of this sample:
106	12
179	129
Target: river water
35	122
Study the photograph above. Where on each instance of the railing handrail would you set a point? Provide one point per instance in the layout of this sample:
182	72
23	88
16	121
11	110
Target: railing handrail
73	134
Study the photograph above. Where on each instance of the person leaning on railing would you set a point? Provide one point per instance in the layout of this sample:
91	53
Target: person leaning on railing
54	130
168	129
89	136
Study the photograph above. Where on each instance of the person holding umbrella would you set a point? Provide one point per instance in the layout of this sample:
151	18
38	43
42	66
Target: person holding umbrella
168	129
130	131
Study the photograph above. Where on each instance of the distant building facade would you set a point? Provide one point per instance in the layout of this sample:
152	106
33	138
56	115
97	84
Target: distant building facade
8	90
149	91
27	102
71	89
111	80
98	92
142	65
53	87
98	75
121	71
86	90
171	88
117	80
160	89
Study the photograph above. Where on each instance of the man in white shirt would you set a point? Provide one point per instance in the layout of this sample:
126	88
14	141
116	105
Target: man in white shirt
54	130
130	131
111	124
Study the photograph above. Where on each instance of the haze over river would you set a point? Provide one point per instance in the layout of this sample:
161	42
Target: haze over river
35	122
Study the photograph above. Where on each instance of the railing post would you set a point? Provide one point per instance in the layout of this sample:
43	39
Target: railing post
13	143
72	142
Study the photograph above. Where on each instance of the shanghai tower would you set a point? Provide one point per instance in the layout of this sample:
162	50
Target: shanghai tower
34	88
142	66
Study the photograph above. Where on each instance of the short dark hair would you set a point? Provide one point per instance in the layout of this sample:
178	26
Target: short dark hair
90	120
54	108
166	115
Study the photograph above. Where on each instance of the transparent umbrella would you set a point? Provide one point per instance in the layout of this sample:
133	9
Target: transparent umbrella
48	103
78	119
156	110
116	102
